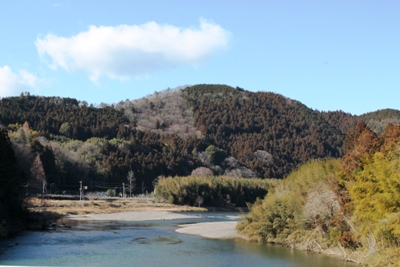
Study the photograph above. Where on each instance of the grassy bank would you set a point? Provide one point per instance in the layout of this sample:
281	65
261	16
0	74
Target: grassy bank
77	207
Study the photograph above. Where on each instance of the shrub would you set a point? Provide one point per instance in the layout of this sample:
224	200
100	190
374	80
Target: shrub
111	192
215	191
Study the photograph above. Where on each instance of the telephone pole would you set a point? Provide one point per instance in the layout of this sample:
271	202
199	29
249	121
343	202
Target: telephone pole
80	191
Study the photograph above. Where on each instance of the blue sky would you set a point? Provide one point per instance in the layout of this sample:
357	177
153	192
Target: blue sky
330	55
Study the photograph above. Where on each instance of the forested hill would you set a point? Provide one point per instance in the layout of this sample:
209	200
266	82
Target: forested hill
201	129
376	120
47	114
269	133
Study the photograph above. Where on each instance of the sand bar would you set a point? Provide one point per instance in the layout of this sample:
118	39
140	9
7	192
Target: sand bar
133	216
216	230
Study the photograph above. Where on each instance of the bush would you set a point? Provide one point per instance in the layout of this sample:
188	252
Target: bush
282	214
214	191
111	193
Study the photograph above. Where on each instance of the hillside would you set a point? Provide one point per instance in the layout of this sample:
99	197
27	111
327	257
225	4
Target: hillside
201	129
376	120
268	132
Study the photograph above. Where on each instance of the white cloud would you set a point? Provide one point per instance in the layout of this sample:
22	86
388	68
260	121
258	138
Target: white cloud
138	50
12	84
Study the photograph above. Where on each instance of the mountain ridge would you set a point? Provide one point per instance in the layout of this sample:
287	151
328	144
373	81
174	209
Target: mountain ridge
229	131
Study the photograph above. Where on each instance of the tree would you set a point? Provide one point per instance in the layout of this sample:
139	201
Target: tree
20	136
202	172
216	155
132	182
376	197
47	159
27	130
38	173
199	200
66	129
11	186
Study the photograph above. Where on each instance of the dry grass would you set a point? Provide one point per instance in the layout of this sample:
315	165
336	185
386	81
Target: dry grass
76	207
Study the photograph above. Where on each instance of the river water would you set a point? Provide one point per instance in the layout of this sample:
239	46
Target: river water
150	243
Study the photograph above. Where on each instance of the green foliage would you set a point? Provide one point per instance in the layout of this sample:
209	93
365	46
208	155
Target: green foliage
66	129
216	155
20	136
376	197
111	193
295	206
214	191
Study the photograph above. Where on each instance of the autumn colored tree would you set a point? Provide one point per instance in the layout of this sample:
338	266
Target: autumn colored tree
374	185
37	172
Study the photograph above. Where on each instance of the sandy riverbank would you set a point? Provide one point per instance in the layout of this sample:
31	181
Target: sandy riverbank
133	216
216	230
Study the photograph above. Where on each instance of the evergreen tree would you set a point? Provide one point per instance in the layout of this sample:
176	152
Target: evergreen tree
11	185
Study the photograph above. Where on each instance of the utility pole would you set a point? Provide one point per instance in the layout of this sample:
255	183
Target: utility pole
44	189
80	191
130	187
123	190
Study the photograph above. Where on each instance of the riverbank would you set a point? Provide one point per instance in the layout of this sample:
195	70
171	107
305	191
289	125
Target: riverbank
103	206
42	213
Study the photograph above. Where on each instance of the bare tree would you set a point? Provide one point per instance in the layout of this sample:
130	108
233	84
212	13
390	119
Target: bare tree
143	187
168	107
132	181
199	200
202	172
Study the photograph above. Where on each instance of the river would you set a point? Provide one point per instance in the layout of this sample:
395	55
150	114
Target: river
149	243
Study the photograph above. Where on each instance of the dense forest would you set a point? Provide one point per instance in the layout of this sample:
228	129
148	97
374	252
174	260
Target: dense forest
196	130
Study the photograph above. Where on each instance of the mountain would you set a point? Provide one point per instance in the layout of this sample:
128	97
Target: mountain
211	128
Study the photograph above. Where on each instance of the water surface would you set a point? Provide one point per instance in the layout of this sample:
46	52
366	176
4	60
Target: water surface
151	243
